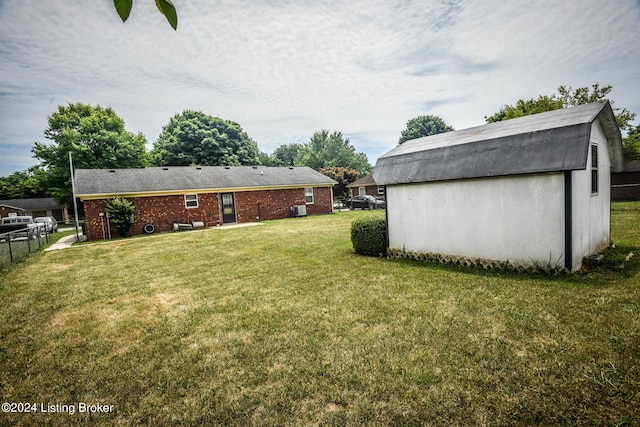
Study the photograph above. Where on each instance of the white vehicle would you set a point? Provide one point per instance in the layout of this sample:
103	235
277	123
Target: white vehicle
32	230
50	223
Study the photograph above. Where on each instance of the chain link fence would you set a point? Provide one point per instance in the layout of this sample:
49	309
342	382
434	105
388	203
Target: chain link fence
16	245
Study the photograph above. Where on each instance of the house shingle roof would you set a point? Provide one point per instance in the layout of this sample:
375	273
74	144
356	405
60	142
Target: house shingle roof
36	204
546	142
365	180
189	178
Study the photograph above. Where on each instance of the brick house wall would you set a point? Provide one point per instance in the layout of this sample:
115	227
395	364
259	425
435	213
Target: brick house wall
371	190
163	211
274	204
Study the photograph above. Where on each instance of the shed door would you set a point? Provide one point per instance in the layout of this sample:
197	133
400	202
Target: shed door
228	208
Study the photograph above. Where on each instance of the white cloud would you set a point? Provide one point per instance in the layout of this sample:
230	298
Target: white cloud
286	68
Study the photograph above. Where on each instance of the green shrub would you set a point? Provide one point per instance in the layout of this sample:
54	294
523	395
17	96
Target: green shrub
369	236
122	215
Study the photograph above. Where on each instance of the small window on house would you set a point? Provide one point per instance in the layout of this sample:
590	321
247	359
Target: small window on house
380	189
190	200
308	195
362	191
594	169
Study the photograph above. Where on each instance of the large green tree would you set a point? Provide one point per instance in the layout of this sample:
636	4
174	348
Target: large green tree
195	138
25	184
631	147
96	138
423	126
326	149
526	107
343	176
287	153
566	97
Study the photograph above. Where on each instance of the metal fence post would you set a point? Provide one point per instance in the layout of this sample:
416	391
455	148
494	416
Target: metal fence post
10	251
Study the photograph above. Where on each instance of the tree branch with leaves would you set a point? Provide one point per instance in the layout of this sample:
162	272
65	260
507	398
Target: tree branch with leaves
123	7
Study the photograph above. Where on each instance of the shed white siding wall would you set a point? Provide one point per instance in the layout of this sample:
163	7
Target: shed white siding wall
592	212
516	218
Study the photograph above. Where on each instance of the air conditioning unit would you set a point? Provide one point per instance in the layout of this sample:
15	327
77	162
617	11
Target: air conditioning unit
299	210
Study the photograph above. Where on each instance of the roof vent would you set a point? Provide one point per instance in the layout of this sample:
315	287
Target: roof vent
227	167
254	167
198	168
112	171
291	167
165	169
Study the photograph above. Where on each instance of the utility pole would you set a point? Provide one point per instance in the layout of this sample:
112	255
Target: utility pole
73	191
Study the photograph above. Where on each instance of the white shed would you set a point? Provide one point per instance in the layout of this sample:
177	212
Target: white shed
531	191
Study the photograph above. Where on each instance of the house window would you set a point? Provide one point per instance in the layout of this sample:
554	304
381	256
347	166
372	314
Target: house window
380	189
594	169
190	200
308	195
362	191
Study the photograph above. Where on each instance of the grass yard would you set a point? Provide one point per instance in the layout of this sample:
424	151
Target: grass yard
281	324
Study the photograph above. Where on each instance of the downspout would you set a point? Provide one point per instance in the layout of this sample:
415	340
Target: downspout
386	214
568	221
331	192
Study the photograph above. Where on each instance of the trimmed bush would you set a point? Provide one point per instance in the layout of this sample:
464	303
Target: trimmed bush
122	213
369	236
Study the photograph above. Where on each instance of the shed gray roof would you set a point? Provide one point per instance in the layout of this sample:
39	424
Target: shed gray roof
547	142
91	182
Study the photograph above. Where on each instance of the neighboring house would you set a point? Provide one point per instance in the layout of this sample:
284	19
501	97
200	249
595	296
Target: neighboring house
43	206
531	191
211	195
366	185
625	185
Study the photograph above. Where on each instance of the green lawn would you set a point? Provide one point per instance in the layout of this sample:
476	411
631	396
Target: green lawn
281	324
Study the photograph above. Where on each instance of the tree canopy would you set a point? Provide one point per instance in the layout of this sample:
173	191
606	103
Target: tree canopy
631	147
566	97
195	138
287	153
423	126
343	176
326	149
96	138
525	108
26	184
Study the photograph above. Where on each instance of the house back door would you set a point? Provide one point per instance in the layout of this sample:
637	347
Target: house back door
228	208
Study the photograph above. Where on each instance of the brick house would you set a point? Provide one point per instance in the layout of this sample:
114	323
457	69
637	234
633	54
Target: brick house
209	195
42	206
366	185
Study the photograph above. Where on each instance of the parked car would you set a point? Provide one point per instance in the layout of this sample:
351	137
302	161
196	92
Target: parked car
16	223
50	223
366	202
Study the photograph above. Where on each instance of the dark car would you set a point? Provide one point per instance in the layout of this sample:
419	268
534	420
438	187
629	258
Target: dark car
366	202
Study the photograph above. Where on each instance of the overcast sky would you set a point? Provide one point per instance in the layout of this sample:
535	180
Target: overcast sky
284	69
